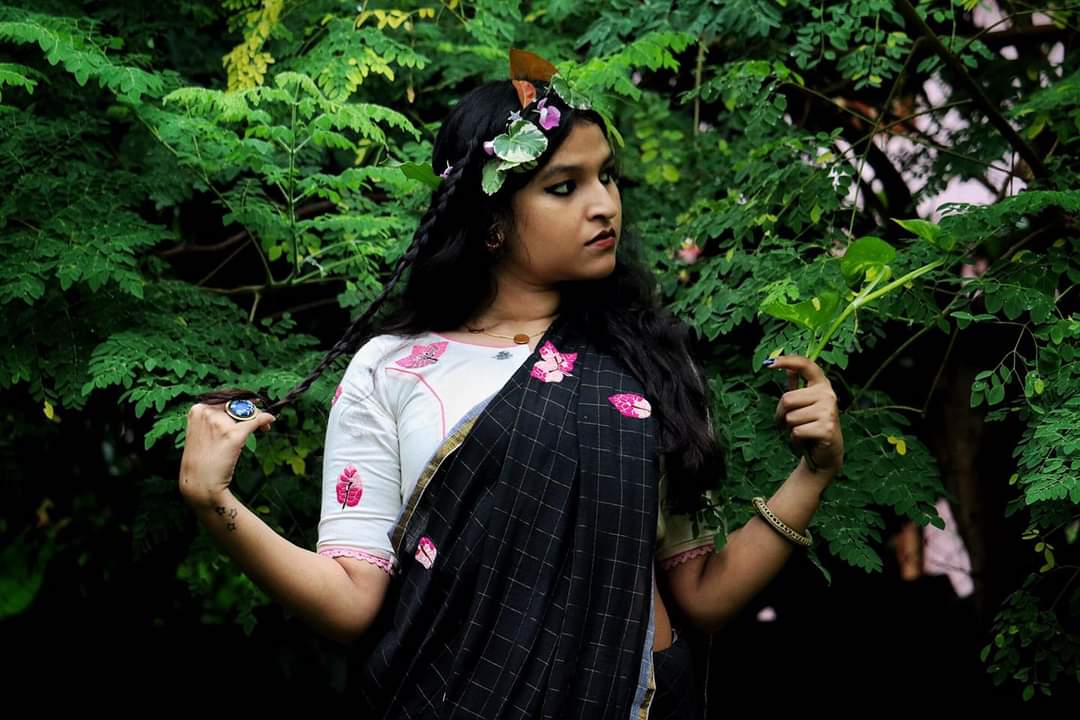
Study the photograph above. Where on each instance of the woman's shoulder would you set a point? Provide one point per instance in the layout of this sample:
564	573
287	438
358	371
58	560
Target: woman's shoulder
385	350
374	353
427	351
377	348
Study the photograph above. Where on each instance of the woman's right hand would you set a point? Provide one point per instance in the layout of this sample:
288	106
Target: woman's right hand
212	447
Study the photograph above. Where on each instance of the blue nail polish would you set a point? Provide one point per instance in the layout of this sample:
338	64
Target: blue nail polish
768	361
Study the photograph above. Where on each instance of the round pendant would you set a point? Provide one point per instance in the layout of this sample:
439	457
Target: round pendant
521	338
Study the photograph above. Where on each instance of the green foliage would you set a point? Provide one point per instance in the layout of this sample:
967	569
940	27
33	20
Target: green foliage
22	569
71	42
346	56
1024	629
19	76
231	158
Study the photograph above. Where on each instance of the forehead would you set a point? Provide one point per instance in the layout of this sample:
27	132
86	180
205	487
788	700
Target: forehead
586	142
584	147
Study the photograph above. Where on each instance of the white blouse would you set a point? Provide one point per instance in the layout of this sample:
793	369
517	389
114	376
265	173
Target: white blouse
398	399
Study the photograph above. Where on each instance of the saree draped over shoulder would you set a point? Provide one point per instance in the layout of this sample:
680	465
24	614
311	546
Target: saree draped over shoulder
526	555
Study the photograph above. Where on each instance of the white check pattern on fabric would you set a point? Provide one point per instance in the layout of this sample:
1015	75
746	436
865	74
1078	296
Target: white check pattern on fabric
496	569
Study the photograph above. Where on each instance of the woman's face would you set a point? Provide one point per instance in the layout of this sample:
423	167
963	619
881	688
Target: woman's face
563	207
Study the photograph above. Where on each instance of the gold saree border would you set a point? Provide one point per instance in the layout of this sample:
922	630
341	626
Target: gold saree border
646	702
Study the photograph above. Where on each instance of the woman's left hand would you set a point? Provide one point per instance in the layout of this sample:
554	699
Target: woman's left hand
809	415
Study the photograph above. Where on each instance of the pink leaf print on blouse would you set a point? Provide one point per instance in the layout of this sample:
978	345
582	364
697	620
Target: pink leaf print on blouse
349	487
423	355
425	552
631	405
554	366
337	394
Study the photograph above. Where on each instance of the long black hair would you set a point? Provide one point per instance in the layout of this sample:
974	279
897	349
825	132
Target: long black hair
451	278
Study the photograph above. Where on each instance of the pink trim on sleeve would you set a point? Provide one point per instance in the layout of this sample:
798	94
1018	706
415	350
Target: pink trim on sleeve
682	557
384	563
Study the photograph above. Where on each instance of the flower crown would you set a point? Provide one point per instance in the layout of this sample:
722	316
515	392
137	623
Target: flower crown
524	141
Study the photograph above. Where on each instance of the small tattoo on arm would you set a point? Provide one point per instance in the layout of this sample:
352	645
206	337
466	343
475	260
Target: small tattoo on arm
220	510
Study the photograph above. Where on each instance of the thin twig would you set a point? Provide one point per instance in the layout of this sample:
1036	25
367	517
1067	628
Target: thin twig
223	263
941	368
697	83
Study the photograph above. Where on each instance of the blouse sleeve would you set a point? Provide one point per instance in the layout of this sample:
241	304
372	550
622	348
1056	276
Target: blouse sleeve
361	476
676	540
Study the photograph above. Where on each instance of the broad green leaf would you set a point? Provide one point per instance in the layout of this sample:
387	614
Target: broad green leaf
812	314
865	254
929	232
493	177
423	173
522	142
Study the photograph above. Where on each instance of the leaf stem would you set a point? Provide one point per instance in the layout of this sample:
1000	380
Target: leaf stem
866	297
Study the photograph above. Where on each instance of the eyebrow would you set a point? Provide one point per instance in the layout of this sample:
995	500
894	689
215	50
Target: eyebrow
556	169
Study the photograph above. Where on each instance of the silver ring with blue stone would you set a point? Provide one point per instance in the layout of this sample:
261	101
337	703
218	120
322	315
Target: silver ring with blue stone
241	410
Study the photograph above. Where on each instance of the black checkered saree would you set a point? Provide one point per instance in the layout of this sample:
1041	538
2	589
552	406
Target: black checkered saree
526	556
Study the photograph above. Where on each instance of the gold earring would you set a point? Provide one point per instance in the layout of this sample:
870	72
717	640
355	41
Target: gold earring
497	235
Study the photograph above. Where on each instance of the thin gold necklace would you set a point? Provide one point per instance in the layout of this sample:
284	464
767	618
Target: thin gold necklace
519	338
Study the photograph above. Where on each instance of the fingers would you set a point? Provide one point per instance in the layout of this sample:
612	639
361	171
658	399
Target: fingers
802	416
215	417
792	379
804	405
243	428
265	420
799	366
815	430
805	397
809	416
798	420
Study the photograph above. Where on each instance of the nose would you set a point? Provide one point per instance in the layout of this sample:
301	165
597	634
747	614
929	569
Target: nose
604	202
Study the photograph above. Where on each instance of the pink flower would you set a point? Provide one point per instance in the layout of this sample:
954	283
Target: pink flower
489	147
349	487
968	270
337	394
446	172
689	252
549	116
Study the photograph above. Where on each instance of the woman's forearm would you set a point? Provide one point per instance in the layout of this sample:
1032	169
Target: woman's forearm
314	587
756	552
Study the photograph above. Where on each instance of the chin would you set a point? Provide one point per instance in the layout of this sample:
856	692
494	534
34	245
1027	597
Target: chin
595	269
603	268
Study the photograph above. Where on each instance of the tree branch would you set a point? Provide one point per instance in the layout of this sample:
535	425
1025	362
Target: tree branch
314	208
983	102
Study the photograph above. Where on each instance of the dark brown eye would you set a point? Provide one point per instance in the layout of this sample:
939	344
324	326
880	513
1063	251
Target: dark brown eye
610	172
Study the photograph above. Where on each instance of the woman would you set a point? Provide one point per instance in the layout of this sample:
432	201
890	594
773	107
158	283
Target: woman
498	452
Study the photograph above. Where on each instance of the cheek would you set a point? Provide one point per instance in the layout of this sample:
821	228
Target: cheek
550	230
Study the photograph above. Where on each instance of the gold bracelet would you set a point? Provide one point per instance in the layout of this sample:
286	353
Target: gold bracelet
779	525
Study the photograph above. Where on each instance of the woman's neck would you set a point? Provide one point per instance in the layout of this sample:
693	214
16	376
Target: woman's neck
518	309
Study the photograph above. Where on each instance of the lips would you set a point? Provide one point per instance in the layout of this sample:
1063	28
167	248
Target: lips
605	235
